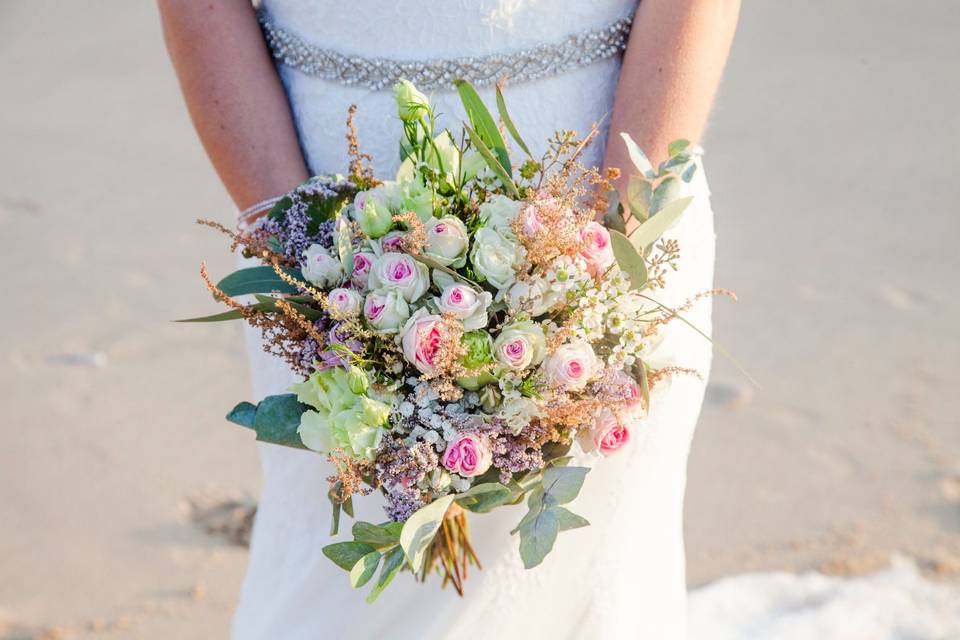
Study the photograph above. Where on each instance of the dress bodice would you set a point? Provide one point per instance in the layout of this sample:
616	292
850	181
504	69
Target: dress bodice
421	30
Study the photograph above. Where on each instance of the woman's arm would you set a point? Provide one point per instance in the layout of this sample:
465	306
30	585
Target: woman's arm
670	74
234	96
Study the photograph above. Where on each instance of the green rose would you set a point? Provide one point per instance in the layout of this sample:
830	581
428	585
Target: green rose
417	198
341	418
479	346
372	213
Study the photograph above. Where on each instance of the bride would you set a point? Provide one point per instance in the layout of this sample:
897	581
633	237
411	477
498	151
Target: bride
649	70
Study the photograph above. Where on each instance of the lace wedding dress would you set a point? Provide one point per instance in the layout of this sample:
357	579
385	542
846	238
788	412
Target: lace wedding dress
621	577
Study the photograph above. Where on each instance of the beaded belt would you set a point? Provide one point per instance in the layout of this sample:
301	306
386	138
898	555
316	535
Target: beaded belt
539	61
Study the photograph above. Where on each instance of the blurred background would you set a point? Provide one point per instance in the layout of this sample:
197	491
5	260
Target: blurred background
833	160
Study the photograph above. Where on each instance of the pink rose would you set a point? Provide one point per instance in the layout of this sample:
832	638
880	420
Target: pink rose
596	249
361	268
344	303
572	365
422	339
468	454
607	435
393	241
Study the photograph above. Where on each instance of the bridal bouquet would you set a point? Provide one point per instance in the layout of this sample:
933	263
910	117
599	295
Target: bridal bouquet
459	330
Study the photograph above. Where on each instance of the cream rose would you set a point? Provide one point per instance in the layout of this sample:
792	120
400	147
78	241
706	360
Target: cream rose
320	268
344	303
499	213
520	345
447	241
466	304
572	365
495	257
401	272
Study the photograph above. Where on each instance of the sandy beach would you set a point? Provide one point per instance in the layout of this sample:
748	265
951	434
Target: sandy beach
831	155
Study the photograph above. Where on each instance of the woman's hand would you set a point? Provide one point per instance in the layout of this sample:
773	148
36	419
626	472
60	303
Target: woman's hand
234	96
670	74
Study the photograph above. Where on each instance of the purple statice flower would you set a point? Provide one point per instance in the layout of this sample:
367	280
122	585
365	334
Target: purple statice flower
337	357
400	468
400	506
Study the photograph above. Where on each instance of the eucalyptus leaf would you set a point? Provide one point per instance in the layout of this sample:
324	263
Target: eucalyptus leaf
233	314
689	172
261	279
243	414
650	231
677	146
483	122
348	506
482	498
346	554
569	520
613	218
364	569
508	122
564	483
392	564
335	517
639	195
637	156
378	537
537	538
666	192
277	420
420	528
628	259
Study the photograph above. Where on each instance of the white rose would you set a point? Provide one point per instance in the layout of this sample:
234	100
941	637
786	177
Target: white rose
447	241
344	303
520	345
465	303
533	296
320	268
572	365
495	257
499	213
386	311
401	272
518	413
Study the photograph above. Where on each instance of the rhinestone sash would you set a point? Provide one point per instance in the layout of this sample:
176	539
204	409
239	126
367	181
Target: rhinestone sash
548	59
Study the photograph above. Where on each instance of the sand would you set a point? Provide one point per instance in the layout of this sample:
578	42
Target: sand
832	156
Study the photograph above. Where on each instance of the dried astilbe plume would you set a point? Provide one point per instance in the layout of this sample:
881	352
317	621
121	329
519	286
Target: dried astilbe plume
350	475
359	172
672	314
254	242
415	239
655	376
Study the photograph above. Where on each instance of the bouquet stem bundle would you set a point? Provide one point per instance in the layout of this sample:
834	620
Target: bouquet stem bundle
451	552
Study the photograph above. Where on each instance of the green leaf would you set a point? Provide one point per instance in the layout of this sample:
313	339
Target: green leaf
380	538
651	230
481	498
483	122
564	483
508	122
669	165
641	370
392	564
569	520
492	162
418	531
637	156
257	280
267	303
348	506
639	195
279	210
666	192
613	218
233	314
689	172
335	518
537	537
629	260
677	146
277	420
364	569
243	414
346	554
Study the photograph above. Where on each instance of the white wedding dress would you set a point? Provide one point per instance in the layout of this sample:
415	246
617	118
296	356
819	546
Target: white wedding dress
621	577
